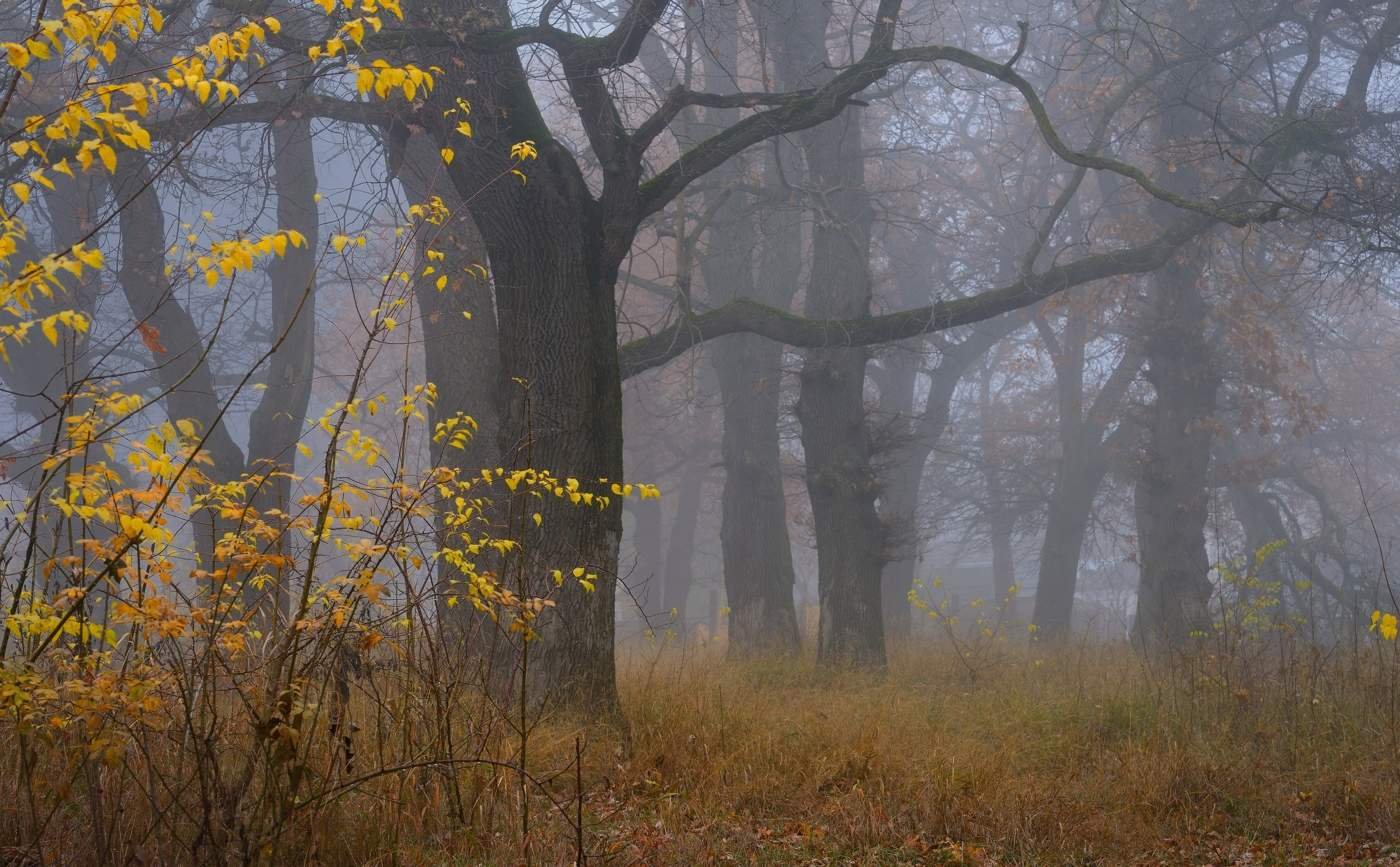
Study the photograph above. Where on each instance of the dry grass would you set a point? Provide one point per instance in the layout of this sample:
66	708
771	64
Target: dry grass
1078	756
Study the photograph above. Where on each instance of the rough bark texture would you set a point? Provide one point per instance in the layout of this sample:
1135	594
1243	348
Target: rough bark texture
554	261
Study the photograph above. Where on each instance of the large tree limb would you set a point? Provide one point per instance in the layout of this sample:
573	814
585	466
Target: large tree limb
745	316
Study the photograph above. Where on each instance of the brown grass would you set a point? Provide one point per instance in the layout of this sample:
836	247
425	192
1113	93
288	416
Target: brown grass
1078	756
1082	755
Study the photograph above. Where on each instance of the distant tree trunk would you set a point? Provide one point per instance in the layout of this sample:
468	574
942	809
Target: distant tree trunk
279	419
831	408
757	552
679	571
835	442
1001	517
1260	521
178	349
647	579
902	466
1171	498
899	494
1066	525
1080	470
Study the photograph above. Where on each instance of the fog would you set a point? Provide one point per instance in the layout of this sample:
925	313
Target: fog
555	342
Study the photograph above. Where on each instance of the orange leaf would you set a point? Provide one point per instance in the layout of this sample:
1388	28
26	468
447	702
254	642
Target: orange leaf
150	336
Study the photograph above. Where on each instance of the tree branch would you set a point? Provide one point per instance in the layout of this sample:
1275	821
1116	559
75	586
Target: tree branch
745	316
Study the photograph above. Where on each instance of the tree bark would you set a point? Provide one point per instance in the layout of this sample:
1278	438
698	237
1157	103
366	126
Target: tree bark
756	549
461	358
555	261
280	416
1171	498
1081	468
1000	516
679	571
841	482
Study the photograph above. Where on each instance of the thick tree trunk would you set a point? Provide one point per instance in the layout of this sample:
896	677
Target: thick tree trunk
1171	498
757	552
554	262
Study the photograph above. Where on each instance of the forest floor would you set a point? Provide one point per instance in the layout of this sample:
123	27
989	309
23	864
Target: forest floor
999	755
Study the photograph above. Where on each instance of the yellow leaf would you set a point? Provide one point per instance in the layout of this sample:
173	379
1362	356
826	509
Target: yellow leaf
447	155
51	332
21	192
17	54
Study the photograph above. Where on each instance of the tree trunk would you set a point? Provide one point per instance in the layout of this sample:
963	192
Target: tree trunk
278	420
554	262
831	407
901	481
757	552
835	442
1001	517
679	571
1171	498
1066	524
461	357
